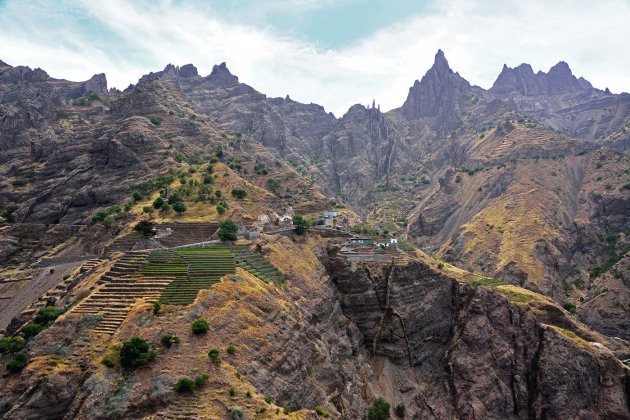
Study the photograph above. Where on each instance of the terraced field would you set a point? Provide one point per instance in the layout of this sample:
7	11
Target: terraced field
256	264
193	268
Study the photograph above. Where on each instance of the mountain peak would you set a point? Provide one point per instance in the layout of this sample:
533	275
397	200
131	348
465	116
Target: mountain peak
221	74
440	63
561	68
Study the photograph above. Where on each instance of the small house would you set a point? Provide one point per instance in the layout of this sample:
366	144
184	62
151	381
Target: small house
360	240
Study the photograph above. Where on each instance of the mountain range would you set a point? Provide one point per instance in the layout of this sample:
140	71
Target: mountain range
526	183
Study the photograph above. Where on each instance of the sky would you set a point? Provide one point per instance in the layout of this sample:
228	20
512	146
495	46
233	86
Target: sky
332	52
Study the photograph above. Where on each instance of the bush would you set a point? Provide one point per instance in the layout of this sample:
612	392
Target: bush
108	362
231	349
228	230
179	207
268	399
147	209
155	120
231	392
379	410
184	384
100	216
569	306
213	354
156	308
66	276
145	228
11	344
18	363
31	330
200	380
321	411
400	410
135	353
47	315
200	326
458	179
165	208
239	193
221	209
108	221
300	224
158	202
137	196
169	339
440	265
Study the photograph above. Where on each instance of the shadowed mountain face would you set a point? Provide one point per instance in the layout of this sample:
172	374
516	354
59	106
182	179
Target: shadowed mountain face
526	181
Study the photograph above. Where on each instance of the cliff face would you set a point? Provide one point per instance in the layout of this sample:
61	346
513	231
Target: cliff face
473	354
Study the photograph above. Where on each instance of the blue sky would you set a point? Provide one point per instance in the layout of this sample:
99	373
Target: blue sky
335	53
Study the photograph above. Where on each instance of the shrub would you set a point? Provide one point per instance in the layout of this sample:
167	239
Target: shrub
231	392
239	193
608	186
231	349
11	344
200	380
440	265
184	384
8	211
147	209
47	315
135	353
18	363
248	394
179	207
400	410
137	196
108	221
7	406
100	216
221	209
228	230
458	179
321	411
268	399
169	339
300	224
156	308
155	120
145	228
108	362
569	306
200	326
158	202
213	354
165	208
379	409
31	330
66	276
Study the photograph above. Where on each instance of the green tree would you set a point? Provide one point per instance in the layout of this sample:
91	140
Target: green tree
47	315
135	353
379	410
31	330
174	198
165	208
200	326
213	354
18	363
11	344
239	193
137	196
179	207
145	228
184	385
158	202
228	230
300	224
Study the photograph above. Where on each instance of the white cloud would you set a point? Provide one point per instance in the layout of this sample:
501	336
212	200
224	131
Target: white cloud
477	37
